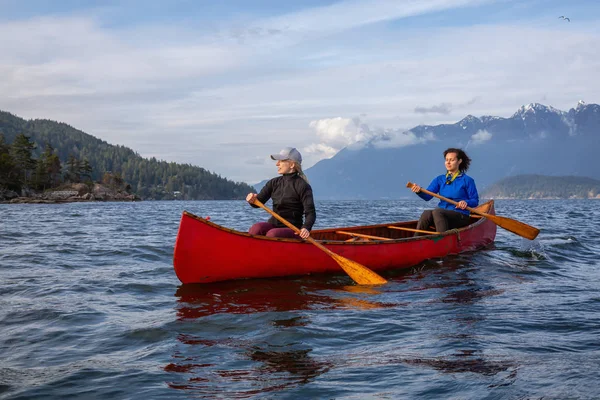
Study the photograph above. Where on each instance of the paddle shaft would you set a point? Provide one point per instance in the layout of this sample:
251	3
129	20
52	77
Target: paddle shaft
410	185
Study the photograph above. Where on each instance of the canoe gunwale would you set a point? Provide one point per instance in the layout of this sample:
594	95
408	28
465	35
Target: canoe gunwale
483	207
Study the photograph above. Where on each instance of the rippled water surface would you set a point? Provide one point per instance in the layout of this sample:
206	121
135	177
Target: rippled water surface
90	307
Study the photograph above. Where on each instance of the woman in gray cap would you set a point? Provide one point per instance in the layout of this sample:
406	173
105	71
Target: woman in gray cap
292	198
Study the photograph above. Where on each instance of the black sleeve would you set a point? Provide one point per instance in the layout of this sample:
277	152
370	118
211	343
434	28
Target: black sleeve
308	202
265	193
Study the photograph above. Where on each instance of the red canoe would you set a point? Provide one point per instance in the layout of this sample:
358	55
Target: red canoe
207	252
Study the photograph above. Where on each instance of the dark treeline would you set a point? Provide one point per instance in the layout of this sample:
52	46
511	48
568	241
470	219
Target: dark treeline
543	186
20	170
148	178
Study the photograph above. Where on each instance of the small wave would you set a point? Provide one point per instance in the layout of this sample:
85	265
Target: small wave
558	240
530	254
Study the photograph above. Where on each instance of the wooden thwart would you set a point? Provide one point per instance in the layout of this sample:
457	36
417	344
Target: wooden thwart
413	230
360	235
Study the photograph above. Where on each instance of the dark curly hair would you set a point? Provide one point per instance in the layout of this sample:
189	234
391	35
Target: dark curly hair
461	155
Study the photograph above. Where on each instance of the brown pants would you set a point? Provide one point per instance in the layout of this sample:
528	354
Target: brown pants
442	219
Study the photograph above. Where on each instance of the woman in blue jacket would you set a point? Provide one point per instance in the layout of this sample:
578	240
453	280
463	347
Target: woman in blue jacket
456	185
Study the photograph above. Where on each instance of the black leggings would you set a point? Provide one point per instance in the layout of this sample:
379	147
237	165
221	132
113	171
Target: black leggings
442	219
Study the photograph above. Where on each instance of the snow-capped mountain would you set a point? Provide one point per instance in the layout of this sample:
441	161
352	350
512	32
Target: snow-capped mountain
536	139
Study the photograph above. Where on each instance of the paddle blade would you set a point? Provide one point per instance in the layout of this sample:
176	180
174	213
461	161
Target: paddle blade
359	273
520	228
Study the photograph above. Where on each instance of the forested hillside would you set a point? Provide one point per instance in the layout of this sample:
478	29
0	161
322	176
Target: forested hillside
544	187
149	178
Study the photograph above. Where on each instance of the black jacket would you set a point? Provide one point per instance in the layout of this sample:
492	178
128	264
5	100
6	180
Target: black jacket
292	197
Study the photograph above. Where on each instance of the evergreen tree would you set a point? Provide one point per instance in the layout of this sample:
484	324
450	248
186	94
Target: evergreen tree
41	180
52	166
73	169
8	172
20	151
86	170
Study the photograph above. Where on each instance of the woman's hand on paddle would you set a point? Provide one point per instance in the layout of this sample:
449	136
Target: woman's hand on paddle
416	188
462	205
250	198
304	233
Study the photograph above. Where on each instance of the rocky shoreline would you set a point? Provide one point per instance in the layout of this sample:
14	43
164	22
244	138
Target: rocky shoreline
78	192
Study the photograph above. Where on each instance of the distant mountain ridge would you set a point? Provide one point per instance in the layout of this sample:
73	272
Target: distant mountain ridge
544	187
536	139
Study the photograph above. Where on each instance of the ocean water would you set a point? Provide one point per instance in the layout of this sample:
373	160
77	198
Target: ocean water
90	308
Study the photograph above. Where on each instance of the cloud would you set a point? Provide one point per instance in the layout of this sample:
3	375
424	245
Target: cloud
396	139
443	108
570	123
177	91
481	136
321	150
337	133
351	14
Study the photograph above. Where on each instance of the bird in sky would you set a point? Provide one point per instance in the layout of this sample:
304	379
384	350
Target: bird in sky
565	18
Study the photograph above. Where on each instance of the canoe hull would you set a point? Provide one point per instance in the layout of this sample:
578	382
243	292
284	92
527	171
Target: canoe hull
207	252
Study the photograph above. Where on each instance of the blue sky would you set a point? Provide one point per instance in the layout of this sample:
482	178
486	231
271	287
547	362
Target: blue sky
224	84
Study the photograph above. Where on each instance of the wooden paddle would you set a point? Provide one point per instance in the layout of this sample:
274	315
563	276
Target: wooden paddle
359	273
414	230
360	235
514	226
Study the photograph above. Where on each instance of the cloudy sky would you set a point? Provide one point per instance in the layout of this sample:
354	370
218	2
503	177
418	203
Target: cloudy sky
224	84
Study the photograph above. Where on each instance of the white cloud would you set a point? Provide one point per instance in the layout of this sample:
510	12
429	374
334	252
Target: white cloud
571	124
401	139
339	132
444	108
481	136
76	56
321	151
344	15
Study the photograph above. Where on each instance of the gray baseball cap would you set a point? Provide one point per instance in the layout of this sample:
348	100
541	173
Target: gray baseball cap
288	153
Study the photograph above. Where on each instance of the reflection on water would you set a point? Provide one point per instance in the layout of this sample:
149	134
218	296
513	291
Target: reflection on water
272	369
283	359
470	295
463	361
298	364
196	301
262	365
242	297
289	322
